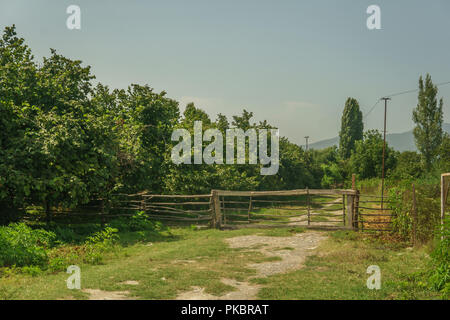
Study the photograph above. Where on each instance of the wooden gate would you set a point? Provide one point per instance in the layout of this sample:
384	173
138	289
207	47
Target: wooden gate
313	208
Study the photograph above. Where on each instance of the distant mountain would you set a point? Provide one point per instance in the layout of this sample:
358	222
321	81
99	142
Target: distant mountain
399	141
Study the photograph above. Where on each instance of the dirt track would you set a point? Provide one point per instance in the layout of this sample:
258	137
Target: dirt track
292	251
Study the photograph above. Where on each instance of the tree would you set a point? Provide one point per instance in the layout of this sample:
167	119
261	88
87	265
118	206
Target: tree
408	166
351	127
444	154
222	123
428	117
366	159
17	69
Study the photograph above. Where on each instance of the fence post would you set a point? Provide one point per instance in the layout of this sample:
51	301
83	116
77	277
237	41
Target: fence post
308	204
355	205
356	213
216	214
343	209
350	210
249	208
414	209
223	210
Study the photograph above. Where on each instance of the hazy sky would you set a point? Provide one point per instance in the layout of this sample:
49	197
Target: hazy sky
293	63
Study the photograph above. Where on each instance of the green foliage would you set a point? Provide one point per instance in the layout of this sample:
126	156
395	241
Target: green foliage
444	154
22	246
440	276
428	117
137	222
99	243
92	251
64	142
351	128
332	175
409	166
366	160
401	209
104	237
427	206
31	270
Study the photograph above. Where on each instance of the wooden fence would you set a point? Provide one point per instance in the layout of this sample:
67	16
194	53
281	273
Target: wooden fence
374	214
333	208
312	208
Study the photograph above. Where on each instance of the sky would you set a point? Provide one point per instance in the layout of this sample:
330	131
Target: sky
293	63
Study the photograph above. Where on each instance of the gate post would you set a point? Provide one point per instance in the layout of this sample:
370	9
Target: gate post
309	206
216	213
356	211
355	205
350	211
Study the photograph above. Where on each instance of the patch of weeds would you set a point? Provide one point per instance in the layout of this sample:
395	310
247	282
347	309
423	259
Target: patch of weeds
31	270
345	235
8	293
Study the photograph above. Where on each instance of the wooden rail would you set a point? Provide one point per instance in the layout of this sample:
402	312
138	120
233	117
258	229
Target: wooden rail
210	208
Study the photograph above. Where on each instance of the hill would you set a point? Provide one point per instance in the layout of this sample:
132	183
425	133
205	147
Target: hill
399	141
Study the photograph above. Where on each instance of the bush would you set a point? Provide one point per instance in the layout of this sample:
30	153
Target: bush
22	246
440	275
90	252
137	222
427	206
99	243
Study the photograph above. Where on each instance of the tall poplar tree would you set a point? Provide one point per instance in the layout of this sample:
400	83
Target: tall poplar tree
351	128
428	117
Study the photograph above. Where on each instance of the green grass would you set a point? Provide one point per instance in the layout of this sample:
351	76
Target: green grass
172	262
282	212
164	265
338	271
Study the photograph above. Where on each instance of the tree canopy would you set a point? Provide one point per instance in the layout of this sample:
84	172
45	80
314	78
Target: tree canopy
351	128
428	117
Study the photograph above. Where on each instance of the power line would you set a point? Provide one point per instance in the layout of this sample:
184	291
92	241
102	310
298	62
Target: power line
415	90
398	94
371	109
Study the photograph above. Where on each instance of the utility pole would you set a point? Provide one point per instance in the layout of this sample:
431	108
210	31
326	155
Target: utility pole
384	149
307	137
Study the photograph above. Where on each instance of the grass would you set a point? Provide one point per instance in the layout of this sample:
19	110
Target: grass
172	262
281	213
338	271
163	265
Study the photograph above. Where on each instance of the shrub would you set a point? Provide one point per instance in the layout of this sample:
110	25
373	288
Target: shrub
440	275
20	245
427	206
91	251
31	270
99	243
137	222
